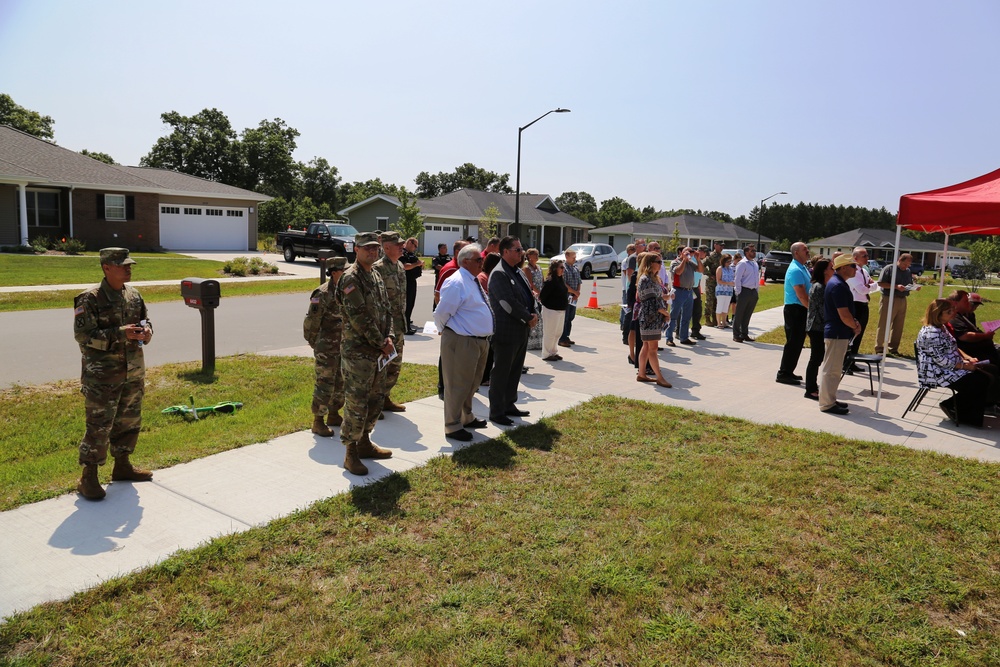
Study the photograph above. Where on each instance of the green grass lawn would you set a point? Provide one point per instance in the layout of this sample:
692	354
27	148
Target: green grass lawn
616	533
12	301
42	426
18	269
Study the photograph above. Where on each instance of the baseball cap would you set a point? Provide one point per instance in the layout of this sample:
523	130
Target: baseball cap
116	256
391	237
975	299
336	264
366	238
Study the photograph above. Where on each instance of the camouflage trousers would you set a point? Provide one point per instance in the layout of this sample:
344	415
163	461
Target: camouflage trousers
395	366
710	302
364	393
328	395
114	416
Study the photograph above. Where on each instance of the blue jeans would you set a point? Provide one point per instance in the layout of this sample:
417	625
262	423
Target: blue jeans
568	325
680	315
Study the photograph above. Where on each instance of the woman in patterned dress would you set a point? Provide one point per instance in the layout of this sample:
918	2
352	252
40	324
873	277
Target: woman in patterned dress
652	315
533	273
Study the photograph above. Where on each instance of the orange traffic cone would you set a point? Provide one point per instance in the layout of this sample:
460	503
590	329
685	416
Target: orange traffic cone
762	279
593	297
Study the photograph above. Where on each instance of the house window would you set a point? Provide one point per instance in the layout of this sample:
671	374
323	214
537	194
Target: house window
114	207
234	214
382	224
43	208
192	211
171	210
213	211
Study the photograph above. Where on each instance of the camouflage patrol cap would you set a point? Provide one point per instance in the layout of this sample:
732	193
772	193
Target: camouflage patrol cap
391	237
366	238
336	264
116	256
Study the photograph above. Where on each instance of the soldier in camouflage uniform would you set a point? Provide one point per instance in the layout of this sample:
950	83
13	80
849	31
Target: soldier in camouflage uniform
394	277
111	324
323	329
368	337
711	264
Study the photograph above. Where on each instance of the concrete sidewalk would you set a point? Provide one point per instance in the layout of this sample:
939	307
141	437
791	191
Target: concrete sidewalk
67	544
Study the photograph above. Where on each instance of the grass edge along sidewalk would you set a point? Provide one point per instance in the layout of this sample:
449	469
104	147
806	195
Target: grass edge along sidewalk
618	532
42	426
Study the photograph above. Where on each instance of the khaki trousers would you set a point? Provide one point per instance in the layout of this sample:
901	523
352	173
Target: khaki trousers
463	359
897	322
832	371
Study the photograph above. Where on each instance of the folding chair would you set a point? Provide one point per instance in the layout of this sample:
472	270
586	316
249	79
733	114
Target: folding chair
922	391
867	359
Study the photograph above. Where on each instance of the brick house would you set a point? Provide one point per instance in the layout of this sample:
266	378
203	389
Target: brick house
50	191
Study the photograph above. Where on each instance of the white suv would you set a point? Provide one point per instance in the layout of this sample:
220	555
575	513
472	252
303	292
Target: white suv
593	258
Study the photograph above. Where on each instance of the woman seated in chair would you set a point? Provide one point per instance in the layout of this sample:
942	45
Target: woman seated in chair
941	364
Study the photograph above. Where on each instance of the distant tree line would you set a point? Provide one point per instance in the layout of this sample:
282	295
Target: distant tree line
260	159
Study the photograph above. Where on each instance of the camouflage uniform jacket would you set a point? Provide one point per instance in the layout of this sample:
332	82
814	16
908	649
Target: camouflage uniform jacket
394	276
365	308
99	318
324	325
713	262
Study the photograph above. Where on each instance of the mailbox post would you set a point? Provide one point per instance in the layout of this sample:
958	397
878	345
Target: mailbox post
203	294
322	256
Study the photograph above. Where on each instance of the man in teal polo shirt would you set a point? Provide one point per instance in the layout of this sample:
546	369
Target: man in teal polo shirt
795	312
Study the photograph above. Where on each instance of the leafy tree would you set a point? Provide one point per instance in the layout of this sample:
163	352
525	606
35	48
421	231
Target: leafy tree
410	222
615	211
580	205
488	224
280	214
319	181
101	157
26	120
675	239
984	259
202	145
265	161
467	175
353	193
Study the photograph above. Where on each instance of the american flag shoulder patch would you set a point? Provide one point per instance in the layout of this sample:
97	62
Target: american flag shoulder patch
314	300
78	311
349	289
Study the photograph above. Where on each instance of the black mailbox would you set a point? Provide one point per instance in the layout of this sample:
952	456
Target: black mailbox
200	293
203	294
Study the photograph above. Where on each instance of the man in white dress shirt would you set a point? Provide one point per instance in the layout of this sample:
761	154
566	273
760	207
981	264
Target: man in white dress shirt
862	286
747	282
464	320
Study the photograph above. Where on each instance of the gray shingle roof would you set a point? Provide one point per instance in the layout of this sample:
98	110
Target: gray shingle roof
879	238
24	157
688	226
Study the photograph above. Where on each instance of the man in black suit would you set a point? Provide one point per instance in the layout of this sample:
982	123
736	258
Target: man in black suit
514	308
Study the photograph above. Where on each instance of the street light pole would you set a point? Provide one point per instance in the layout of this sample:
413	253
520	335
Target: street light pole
760	215
515	229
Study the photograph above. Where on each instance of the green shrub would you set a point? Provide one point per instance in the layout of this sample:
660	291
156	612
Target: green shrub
72	246
42	243
241	266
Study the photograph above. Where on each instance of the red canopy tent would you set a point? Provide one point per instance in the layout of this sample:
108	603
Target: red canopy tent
972	207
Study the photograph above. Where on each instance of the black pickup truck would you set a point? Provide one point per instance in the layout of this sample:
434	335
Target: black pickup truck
323	235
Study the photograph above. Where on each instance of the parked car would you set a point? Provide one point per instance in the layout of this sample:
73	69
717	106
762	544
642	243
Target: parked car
593	258
967	272
875	266
917	269
323	235
775	264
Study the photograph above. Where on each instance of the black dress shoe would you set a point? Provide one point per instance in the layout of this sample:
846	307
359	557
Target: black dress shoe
461	434
515	412
787	379
698	336
837	410
811	396
750	339
476	423
737	339
797	377
688	341
503	421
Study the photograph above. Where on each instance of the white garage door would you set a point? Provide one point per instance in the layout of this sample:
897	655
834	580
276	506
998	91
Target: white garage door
435	234
186	227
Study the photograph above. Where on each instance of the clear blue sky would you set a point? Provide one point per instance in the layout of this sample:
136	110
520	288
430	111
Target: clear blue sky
697	104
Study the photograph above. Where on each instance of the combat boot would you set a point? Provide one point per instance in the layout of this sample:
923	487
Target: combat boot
390	405
89	486
124	471
352	462
334	419
369	450
319	428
